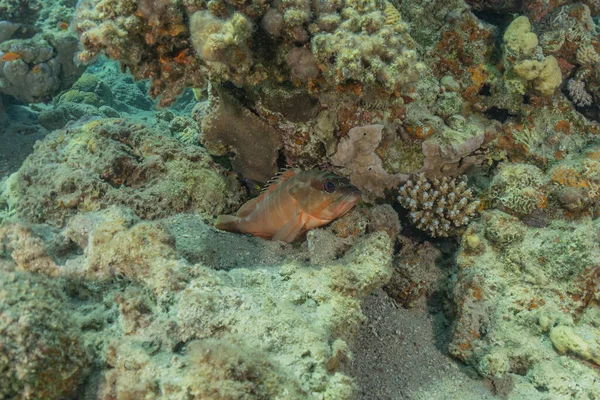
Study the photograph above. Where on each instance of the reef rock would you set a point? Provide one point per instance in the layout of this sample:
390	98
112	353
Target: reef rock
92	165
281	330
524	302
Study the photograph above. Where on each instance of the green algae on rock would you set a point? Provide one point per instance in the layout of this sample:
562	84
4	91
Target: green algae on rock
522	302
271	331
42	355
92	165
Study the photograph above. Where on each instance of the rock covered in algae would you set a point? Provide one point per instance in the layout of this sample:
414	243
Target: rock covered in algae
92	165
156	324
42	355
526	299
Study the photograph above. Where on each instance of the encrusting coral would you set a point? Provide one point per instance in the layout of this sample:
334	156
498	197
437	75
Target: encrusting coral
438	206
93	165
519	189
326	46
36	49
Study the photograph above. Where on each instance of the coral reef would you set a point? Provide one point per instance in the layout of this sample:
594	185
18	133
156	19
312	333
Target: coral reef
248	45
109	220
524	299
102	162
180	328
36	49
438	206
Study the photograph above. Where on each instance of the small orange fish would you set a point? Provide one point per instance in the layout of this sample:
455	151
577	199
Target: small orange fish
36	69
10	56
63	26
295	202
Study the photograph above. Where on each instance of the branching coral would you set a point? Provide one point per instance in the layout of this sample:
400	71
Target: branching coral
578	94
438	206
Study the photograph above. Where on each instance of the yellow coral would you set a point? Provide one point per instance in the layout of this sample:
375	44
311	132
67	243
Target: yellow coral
393	17
519	38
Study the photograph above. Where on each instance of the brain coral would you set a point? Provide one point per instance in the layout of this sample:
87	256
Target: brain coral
519	189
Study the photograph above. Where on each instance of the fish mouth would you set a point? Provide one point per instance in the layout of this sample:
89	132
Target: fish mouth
351	197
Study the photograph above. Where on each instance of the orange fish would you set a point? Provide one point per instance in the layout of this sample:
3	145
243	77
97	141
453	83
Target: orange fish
10	56
63	26
295	202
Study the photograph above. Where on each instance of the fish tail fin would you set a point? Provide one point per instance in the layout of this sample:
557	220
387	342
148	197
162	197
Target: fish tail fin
229	223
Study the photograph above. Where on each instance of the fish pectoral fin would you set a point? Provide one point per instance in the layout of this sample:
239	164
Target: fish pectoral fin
291	230
229	223
248	207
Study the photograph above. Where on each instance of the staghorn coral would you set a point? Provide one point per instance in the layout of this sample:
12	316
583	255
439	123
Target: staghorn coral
438	206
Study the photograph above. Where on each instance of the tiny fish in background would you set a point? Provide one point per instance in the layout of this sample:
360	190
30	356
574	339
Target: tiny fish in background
295	202
10	56
63	26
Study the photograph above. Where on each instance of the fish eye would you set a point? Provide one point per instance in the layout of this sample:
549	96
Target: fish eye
329	186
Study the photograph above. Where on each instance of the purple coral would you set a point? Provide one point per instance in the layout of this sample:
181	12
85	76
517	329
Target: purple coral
578	94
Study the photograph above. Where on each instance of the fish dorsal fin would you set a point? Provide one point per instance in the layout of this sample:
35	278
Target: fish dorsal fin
271	185
278	179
